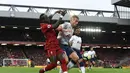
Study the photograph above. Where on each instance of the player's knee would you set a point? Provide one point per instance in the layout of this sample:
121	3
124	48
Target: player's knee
66	59
63	56
93	62
74	57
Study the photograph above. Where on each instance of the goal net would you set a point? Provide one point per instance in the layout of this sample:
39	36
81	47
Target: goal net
15	62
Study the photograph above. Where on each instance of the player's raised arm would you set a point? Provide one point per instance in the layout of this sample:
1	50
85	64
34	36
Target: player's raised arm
58	22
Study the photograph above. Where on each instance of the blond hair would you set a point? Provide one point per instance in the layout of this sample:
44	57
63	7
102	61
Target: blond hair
75	16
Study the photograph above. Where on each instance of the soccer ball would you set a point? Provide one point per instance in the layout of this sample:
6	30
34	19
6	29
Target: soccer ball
89	57
86	56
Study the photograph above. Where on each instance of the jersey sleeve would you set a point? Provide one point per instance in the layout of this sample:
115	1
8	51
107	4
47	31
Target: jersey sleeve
64	25
46	27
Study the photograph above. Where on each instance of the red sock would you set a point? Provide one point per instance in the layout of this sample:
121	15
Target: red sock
63	65
48	67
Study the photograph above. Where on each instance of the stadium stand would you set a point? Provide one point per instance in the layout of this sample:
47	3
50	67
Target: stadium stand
22	28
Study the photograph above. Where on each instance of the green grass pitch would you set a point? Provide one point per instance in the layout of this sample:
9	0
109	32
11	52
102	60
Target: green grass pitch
73	70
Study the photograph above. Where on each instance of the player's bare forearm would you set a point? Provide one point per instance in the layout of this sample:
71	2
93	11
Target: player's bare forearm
58	22
54	26
50	16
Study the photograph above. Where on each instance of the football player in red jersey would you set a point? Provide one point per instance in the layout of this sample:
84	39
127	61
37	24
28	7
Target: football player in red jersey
52	48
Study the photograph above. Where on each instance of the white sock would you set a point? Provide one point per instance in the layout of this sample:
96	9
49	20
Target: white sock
90	67
70	64
60	70
82	69
65	72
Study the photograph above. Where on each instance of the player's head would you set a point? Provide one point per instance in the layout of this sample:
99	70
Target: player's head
83	50
44	18
74	20
77	31
91	48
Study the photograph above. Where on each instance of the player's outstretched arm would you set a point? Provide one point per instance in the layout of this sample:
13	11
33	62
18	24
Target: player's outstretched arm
58	22
50	16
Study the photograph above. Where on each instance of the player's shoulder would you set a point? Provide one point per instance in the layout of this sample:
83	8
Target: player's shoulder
77	37
73	35
66	23
89	51
43	24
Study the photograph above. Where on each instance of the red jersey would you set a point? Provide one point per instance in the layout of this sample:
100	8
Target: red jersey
50	35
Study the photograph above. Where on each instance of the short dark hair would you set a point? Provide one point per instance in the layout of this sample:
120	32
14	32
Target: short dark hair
44	18
76	28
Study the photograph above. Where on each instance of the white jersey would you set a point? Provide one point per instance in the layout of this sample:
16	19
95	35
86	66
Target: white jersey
76	42
92	53
48	60
66	33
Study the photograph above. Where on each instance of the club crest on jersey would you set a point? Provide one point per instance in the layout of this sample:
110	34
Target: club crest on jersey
48	26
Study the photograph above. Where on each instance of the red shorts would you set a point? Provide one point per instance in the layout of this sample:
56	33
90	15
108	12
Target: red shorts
53	52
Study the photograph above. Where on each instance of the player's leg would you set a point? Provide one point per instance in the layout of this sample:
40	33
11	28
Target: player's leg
52	56
66	57
63	47
65	53
90	64
93	61
61	57
81	63
74	59
82	66
72	55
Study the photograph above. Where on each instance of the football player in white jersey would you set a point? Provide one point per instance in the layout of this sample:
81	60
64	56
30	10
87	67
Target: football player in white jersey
66	32
75	43
93	56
